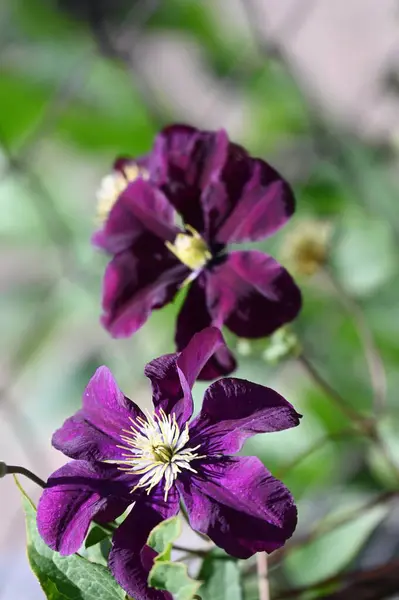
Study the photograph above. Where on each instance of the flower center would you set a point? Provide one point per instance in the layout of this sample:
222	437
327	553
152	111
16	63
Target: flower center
113	185
157	450
191	249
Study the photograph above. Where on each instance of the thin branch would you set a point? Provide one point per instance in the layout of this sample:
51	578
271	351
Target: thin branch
17	470
318	445
332	393
263	579
386	575
195	551
324	528
371	353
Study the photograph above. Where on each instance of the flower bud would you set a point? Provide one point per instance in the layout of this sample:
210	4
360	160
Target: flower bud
281	345
306	247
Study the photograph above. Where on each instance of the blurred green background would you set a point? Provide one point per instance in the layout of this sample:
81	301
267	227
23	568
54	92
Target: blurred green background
83	82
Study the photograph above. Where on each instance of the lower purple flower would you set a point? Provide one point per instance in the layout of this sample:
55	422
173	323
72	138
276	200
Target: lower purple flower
124	456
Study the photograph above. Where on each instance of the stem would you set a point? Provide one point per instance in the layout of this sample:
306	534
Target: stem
339	400
318	445
263	580
371	353
17	470
195	551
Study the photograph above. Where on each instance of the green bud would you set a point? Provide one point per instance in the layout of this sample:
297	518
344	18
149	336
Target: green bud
281	345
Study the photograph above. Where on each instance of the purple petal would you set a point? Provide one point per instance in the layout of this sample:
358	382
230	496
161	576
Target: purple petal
94	432
240	506
252	294
137	282
234	410
264	204
131	559
185	163
173	375
141	209
194	317
75	494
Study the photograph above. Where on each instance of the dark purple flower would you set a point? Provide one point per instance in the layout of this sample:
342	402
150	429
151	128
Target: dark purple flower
122	455
223	196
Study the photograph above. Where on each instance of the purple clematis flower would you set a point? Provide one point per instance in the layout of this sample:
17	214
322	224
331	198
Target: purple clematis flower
223	196
124	456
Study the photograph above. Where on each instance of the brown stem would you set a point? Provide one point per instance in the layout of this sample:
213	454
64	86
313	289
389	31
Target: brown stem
386	576
17	470
324	528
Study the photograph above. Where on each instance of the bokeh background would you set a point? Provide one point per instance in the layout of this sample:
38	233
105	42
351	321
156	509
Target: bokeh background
311	86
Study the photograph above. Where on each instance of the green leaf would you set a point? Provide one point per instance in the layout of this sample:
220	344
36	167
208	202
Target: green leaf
69	577
220	575
174	578
162	537
332	552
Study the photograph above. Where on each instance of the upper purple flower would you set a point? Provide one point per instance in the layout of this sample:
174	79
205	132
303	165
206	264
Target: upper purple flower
123	456
223	196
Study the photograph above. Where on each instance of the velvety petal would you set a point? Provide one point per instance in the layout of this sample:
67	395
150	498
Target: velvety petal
186	162
252	294
141	209
264	205
130	559
240	506
94	432
235	409
173	375
75	494
137	282
193	317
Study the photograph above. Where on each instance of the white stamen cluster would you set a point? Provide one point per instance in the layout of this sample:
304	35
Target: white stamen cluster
113	185
156	450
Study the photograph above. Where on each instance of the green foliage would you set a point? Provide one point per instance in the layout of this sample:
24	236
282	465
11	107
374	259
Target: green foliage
69	577
166	575
332	552
162	537
174	578
220	577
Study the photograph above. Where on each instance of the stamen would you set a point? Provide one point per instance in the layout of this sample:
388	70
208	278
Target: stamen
191	249
156	450
113	185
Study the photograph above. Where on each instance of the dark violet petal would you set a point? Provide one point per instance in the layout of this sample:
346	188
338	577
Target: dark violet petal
173	375
94	432
75	494
141	210
185	162
265	204
240	506
137	282
252	294
131	559
194	317
235	409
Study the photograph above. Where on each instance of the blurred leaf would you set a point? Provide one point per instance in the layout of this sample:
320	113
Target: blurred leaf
173	577
69	577
276	108
333	551
220	576
364	254
380	467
